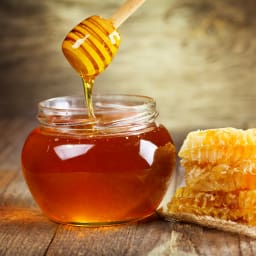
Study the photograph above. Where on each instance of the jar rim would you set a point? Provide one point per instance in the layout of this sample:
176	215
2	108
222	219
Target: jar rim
141	101
112	111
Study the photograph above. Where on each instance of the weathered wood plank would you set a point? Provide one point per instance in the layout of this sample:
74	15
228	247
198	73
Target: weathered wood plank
13	134
203	241
24	232
153	238
17	194
190	239
6	177
136	239
13	191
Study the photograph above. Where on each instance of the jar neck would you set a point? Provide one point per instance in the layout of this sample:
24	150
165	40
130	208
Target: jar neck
115	114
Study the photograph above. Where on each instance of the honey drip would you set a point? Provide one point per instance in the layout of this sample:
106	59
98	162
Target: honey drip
90	47
88	86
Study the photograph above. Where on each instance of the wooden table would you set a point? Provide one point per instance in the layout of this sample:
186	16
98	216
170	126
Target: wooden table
25	231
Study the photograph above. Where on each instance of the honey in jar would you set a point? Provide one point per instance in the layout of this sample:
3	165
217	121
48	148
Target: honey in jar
109	170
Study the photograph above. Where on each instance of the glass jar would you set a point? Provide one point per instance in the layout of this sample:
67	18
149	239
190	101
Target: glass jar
110	170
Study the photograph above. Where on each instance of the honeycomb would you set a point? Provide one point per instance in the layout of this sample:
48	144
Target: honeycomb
220	175
218	146
237	206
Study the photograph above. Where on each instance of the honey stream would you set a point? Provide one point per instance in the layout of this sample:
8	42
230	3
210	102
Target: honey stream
90	47
88	86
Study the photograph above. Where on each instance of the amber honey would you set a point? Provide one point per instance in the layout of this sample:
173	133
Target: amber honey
107	175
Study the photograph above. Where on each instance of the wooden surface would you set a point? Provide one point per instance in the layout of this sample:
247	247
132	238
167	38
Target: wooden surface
197	58
25	231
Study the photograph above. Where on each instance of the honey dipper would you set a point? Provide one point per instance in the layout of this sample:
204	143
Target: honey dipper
91	45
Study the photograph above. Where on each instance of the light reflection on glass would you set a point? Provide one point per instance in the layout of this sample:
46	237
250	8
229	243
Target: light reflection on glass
147	150
65	152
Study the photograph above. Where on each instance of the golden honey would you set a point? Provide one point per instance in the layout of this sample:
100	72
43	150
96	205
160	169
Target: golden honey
115	171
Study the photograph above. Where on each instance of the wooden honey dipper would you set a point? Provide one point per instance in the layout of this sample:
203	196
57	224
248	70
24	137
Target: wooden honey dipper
91	45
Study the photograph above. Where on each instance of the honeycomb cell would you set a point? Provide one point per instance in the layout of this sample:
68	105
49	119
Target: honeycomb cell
215	146
221	177
237	206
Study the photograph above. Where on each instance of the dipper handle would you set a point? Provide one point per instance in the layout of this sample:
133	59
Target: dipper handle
125	11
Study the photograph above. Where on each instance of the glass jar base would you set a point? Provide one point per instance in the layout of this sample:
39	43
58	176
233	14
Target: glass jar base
107	223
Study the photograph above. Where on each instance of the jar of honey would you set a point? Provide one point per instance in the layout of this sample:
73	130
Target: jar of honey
109	170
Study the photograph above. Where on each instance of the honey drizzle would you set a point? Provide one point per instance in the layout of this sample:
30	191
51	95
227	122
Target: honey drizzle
90	48
88	86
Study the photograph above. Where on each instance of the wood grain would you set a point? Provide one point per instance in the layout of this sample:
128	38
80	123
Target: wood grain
13	134
24	232
120	240
17	194
6	177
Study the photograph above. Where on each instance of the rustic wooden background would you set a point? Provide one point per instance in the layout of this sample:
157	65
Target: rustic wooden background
196	57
